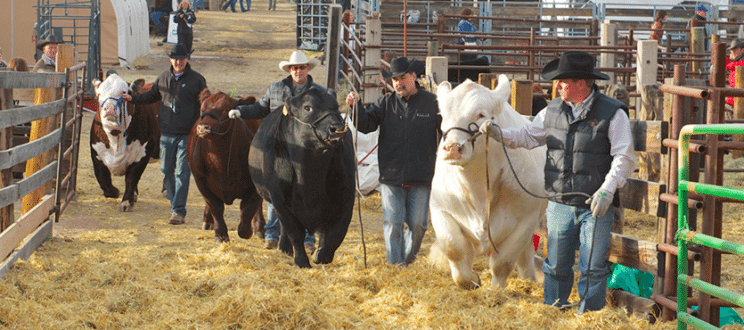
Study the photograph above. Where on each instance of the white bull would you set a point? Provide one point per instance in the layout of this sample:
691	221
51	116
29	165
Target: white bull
464	209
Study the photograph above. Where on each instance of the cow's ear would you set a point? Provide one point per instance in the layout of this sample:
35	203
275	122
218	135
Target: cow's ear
136	85
503	89
204	94
443	88
96	83
250	99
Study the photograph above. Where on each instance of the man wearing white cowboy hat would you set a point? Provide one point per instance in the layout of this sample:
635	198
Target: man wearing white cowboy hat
409	121
48	45
178	90
590	151
297	82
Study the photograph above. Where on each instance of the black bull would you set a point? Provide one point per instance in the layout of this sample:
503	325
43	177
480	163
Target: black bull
302	161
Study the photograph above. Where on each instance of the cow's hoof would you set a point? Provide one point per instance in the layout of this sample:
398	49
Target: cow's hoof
207	225
125	206
244	230
111	193
134	199
219	240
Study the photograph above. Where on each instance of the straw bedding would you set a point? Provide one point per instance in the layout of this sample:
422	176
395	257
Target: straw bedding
109	270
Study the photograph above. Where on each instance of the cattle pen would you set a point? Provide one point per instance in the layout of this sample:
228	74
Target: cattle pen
109	270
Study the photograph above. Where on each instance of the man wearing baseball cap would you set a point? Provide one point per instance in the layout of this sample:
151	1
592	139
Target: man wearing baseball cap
589	153
297	82
736	58
409	121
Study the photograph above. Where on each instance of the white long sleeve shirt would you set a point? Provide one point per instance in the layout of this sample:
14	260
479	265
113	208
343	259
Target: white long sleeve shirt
621	142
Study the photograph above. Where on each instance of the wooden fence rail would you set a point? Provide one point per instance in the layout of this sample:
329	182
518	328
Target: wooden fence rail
20	237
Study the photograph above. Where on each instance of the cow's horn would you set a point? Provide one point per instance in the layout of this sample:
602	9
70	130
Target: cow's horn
503	89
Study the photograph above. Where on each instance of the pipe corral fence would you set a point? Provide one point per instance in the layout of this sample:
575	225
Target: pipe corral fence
678	82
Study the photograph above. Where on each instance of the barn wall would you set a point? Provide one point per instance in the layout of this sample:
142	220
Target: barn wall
17	19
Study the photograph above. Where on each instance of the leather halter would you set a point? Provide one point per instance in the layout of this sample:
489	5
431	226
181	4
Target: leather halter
315	123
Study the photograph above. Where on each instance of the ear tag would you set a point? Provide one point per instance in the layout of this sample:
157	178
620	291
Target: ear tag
285	111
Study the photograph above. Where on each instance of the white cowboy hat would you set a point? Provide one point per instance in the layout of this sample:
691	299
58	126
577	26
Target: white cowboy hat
298	58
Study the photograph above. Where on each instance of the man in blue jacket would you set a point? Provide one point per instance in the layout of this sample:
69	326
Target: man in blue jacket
178	90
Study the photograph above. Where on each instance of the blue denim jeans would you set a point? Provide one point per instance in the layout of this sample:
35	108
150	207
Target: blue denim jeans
176	171
197	4
273	226
231	3
409	206
569	228
272	4
156	16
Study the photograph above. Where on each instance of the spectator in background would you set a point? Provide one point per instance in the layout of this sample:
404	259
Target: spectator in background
272	4
736	58
465	26
185	18
47	62
3	64
657	33
231	3
18	64
158	13
198	3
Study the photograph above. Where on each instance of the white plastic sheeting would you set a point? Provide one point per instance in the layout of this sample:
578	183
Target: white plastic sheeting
366	152
132	22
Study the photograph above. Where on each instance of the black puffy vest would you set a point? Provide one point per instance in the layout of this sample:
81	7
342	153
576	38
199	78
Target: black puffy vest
578	156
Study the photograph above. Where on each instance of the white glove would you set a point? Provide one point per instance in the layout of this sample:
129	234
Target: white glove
488	129
234	114
600	202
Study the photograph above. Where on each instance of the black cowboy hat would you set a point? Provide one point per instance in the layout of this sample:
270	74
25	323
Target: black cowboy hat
401	65
179	52
572	65
49	39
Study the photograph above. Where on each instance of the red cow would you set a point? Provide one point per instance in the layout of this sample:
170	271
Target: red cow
218	157
123	137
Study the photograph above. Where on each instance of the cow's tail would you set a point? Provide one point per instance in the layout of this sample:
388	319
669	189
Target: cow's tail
437	259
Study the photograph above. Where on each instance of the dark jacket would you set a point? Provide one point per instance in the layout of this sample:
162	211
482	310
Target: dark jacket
578	148
408	136
274	98
180	105
184	24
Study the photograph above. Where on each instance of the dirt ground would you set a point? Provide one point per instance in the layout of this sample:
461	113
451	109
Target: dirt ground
109	270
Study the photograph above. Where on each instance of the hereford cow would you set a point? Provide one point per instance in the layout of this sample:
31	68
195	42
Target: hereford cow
473	211
302	161
123	137
218	157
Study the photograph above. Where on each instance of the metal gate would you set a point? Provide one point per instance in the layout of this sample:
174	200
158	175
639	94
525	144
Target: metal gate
685	236
312	23
78	22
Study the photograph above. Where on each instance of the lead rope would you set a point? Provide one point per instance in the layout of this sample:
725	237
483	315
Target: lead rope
359	193
488	206
594	230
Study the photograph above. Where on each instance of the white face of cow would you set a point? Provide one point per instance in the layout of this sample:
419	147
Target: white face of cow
112	109
463	110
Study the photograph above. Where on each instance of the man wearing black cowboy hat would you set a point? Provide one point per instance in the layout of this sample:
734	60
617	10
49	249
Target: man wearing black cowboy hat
409	121
590	152
48	45
178	90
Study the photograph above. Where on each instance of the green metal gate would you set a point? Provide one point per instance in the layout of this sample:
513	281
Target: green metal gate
685	235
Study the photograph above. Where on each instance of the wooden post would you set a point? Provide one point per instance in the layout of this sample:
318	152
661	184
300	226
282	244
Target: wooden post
485	79
214	5
372	58
6	175
554	92
521	96
44	126
608	60
697	45
738	109
436	68
333	46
